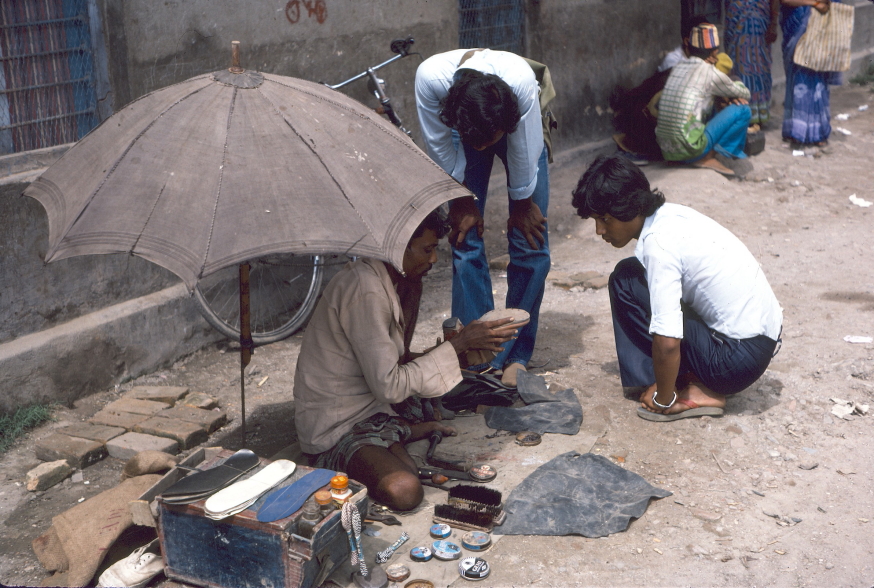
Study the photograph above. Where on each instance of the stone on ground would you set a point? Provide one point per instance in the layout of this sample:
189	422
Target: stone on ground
187	434
128	445
46	475
78	453
125	420
100	433
167	394
199	400
208	419
136	406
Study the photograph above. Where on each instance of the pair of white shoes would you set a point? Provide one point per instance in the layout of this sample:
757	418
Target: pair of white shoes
134	571
243	494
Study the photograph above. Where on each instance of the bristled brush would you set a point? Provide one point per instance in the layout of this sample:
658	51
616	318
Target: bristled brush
475	498
463	518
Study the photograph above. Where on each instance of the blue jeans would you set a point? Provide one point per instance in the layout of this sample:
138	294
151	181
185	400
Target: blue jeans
526	274
724	365
727	131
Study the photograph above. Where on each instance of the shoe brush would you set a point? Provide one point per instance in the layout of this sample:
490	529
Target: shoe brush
475	498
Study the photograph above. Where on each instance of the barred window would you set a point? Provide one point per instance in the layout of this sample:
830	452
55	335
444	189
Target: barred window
47	90
492	24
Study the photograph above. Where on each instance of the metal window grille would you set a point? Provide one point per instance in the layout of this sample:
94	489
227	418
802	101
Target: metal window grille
493	24
47	92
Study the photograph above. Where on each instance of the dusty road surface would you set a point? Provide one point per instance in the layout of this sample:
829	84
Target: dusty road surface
778	492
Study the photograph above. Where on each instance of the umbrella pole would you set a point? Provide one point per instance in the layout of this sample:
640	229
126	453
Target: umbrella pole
246	345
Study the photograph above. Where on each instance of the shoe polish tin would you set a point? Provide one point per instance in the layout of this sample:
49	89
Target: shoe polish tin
446	550
483	472
528	439
421	554
397	572
476	541
441	531
419	584
474	568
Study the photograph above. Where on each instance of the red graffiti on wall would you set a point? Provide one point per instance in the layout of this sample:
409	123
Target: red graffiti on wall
315	8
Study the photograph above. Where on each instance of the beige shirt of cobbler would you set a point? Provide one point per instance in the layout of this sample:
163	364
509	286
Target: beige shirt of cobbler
348	366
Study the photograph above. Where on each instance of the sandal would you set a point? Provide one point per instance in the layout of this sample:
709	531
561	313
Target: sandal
695	410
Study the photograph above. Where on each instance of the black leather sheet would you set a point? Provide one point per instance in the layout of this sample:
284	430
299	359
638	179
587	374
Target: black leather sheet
577	494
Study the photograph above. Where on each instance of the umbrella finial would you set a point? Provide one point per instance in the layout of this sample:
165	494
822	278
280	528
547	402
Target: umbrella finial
235	58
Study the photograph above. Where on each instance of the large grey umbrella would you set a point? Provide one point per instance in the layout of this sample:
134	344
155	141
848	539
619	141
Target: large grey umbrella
227	167
234	165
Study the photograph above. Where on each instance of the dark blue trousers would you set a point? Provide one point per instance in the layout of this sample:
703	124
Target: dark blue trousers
724	365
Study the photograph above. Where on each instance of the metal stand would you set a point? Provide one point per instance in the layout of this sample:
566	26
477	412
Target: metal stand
246	345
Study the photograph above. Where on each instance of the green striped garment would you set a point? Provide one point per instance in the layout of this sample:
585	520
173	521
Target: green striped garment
686	103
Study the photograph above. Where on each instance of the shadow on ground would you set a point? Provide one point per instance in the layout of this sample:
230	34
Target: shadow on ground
269	428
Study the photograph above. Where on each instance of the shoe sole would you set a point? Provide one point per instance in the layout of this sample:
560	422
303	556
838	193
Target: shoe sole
701	411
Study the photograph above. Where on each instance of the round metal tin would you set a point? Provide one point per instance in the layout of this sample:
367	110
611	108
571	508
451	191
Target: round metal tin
421	553
483	472
474	568
446	550
528	439
441	531
397	572
419	584
476	541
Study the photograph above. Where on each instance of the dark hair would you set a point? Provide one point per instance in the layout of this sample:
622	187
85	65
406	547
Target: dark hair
614	185
436	221
479	105
700	52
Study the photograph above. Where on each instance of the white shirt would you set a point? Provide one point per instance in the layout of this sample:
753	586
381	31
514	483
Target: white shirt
672	58
691	257
524	146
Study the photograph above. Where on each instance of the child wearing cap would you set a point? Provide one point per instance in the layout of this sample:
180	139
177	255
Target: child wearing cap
687	130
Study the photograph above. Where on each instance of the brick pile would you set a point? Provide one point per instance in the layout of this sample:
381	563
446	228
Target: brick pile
162	418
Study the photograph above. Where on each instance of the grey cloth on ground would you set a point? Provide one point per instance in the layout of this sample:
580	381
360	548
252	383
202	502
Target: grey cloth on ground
546	412
582	494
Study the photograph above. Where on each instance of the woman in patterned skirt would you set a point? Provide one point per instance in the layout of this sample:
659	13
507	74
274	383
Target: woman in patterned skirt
750	28
806	111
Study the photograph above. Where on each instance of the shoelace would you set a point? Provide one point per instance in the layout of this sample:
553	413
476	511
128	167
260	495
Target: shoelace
143	560
351	520
385	555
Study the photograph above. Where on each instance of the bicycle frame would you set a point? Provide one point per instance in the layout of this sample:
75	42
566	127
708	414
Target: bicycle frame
402	48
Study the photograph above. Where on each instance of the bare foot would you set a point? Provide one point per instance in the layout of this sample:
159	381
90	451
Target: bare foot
692	396
710	162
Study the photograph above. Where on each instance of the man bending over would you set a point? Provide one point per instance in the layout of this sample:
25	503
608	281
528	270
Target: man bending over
355	363
474	105
693	315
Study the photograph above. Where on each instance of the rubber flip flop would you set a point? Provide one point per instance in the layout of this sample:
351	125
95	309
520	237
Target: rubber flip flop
694	411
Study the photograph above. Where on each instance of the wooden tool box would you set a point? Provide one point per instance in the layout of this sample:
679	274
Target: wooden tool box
240	551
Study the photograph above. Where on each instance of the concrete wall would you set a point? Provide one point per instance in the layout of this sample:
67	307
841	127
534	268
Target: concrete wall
35	296
154	44
592	46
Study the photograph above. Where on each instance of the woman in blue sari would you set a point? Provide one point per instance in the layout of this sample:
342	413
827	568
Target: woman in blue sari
750	28
806	108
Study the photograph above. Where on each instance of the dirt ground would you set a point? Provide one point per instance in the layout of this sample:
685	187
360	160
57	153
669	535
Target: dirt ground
778	450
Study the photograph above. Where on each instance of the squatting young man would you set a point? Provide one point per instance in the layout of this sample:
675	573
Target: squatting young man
694	317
